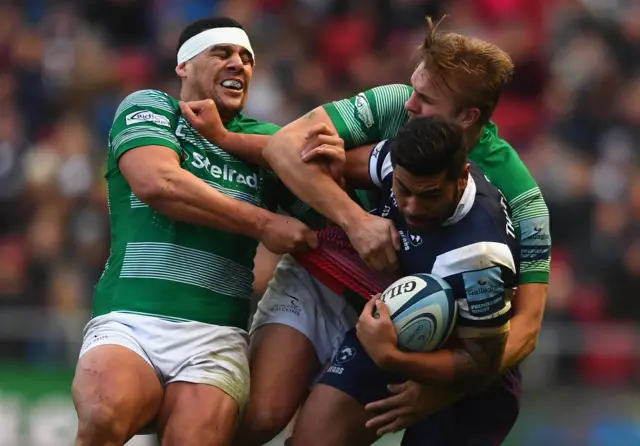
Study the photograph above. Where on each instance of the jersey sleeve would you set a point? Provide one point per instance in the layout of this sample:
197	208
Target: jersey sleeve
380	168
531	221
144	118
370	116
530	215
483	276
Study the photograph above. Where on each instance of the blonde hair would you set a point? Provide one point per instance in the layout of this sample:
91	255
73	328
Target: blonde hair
473	69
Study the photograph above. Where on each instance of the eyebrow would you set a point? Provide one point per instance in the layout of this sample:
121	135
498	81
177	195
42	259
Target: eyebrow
221	47
230	49
425	96
426	191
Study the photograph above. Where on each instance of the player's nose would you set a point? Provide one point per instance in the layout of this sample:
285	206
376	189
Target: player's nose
234	62
410	104
412	208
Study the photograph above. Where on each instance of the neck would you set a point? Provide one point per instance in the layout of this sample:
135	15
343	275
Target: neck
188	95
472	135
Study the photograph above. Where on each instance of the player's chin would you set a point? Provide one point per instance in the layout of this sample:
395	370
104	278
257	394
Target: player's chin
231	103
420	225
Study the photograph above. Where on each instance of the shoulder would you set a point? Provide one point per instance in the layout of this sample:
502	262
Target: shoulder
491	213
502	164
149	98
147	106
395	90
488	196
385	100
486	232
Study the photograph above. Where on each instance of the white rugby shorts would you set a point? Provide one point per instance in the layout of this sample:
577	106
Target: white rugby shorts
296	299
184	351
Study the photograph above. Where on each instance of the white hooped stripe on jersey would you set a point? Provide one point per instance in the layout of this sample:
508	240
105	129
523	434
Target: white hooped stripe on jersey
215	36
476	256
374	162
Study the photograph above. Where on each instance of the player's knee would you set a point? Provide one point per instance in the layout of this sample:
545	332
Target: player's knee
99	423
262	424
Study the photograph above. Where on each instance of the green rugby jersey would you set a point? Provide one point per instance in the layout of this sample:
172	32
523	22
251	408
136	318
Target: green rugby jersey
379	113
176	270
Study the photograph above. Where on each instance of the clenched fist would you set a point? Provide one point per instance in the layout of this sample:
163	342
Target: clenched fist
283	235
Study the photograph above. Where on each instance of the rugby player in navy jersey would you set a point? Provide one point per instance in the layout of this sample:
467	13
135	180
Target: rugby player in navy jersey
454	224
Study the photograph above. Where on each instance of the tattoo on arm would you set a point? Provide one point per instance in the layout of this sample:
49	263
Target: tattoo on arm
477	362
310	115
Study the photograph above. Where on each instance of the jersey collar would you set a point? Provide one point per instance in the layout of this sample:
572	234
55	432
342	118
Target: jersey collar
465	204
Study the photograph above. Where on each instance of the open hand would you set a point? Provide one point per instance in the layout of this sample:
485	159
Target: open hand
409	403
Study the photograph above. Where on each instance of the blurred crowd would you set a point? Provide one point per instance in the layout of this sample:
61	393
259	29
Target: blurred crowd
573	113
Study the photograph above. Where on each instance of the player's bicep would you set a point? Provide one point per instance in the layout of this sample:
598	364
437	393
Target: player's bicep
317	116
289	141
370	116
146	168
483	277
484	303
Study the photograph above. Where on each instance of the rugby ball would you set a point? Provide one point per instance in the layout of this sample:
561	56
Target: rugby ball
423	311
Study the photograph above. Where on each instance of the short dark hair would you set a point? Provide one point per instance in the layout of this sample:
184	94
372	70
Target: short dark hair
198	26
429	146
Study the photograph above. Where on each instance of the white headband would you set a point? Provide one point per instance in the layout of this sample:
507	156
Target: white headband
214	36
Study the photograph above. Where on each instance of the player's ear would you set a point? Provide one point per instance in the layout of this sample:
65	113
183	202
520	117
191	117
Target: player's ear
469	117
464	178
181	71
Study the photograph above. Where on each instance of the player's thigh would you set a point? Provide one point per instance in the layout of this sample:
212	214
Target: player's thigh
439	428
197	414
483	418
115	390
334	413
296	299
330	417
208	383
283	365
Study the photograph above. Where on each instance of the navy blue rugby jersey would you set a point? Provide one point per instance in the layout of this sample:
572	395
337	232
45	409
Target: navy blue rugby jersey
475	250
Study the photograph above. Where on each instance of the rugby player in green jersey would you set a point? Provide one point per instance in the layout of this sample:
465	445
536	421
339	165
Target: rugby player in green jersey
167	341
458	76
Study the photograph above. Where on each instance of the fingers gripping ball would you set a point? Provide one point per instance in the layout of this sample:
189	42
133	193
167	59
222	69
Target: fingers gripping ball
423	311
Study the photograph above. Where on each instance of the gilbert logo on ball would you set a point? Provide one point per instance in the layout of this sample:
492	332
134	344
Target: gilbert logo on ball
423	311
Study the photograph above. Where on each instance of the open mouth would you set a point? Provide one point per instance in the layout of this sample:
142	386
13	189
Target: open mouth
232	84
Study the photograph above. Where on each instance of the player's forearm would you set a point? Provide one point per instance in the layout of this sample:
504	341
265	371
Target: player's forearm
468	369
182	197
521	343
311	182
528	305
246	146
